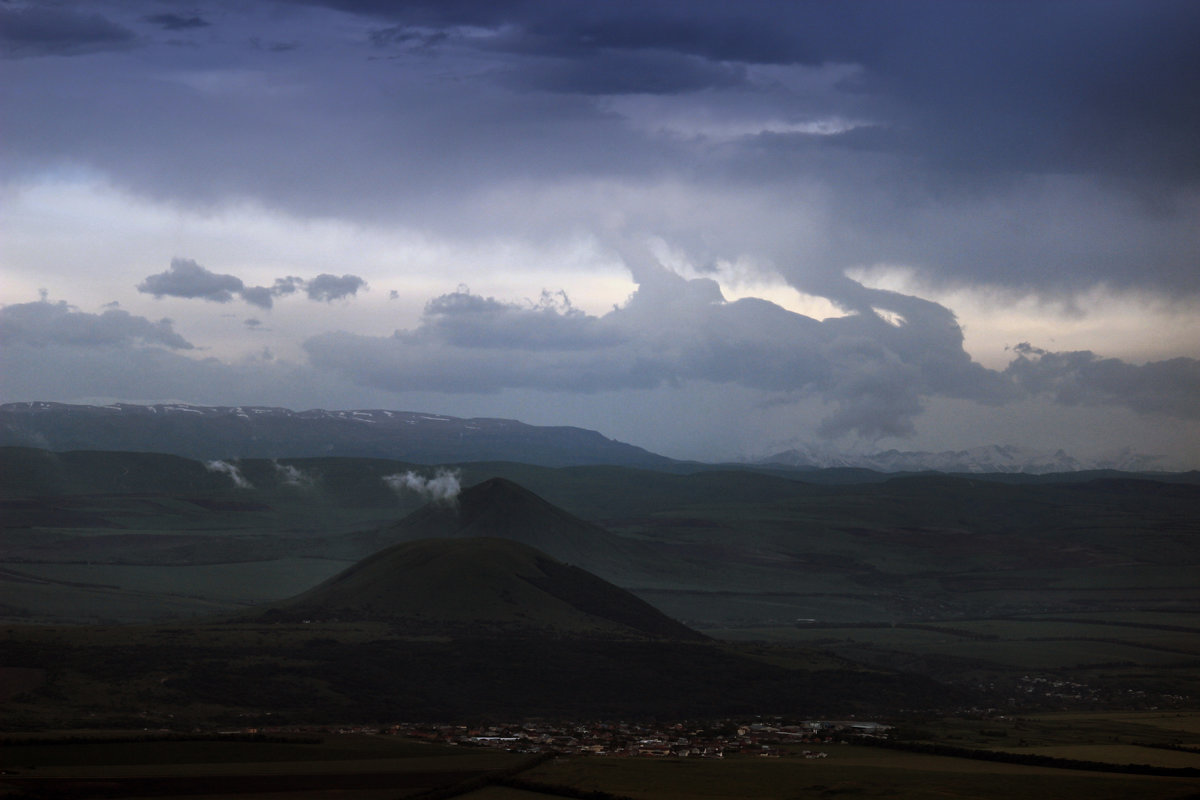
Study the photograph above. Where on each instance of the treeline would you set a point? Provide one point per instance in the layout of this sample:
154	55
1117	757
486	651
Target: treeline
1031	759
1179	748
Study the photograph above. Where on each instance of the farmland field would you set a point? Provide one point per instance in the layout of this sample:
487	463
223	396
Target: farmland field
849	770
313	766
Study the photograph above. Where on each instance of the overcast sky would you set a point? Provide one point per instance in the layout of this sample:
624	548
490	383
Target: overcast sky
712	229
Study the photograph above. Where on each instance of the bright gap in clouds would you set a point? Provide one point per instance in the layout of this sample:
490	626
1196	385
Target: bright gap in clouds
80	226
736	287
744	278
1130	326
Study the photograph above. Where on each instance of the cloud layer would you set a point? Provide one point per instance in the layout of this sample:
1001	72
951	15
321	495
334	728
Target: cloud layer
876	365
744	165
1035	146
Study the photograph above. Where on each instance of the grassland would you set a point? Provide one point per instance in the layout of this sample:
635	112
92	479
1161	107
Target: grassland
106	533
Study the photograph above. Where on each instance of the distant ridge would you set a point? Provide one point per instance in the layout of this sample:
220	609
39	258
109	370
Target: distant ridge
222	432
988	459
480	586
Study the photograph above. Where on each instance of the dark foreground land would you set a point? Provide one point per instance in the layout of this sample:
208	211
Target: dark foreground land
257	673
1035	640
352	764
244	766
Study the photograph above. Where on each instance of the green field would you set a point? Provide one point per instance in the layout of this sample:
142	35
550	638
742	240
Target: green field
109	534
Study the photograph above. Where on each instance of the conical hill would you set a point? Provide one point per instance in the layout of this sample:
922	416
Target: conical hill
480	586
503	509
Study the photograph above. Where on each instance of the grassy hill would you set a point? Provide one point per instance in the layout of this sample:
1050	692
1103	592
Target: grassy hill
480	586
498	507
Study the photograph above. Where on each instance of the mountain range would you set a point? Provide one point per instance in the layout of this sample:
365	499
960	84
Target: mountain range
233	432
221	432
976	460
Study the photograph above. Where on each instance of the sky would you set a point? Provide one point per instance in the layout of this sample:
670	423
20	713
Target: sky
714	230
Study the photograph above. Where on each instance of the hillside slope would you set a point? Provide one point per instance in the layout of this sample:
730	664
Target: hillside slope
479	586
501	508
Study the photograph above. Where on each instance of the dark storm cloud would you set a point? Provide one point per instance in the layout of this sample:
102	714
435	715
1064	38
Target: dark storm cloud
285	286
185	278
49	31
1053	86
44	324
177	22
627	73
1040	147
189	280
264	296
671	332
1082	378
398	35
755	32
991	142
327	288
275	47
260	296
1041	87
964	99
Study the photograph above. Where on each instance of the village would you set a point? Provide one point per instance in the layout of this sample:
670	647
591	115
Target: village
647	739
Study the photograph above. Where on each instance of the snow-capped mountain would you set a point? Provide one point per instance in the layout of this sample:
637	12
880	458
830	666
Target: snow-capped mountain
207	432
985	459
